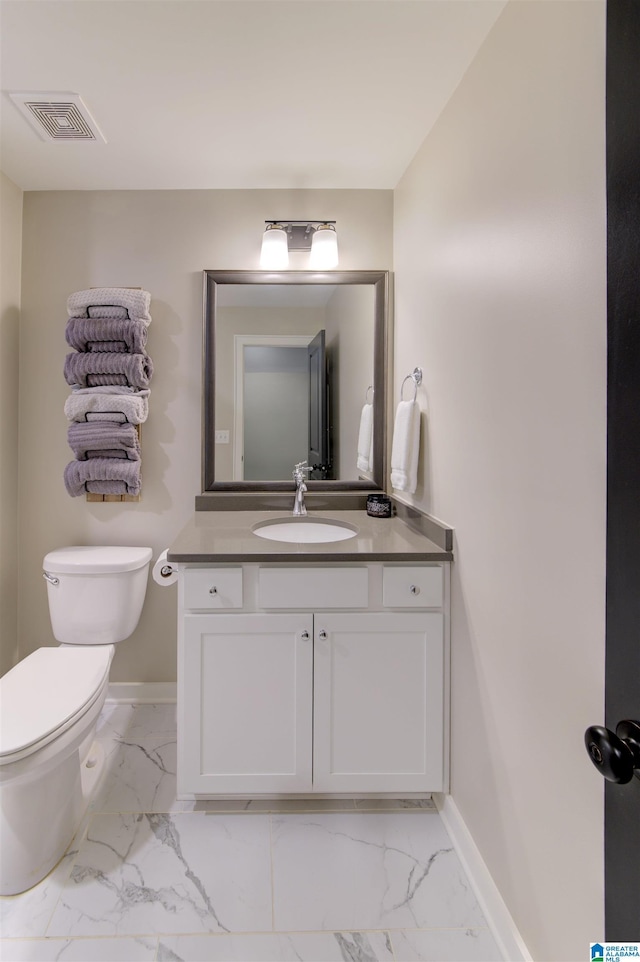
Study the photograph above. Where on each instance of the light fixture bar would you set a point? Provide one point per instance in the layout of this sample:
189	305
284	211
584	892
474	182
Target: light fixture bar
315	236
300	232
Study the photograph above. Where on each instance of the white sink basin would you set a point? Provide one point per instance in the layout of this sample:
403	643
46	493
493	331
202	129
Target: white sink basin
305	530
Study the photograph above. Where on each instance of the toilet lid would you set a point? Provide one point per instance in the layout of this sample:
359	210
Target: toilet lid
46	690
95	559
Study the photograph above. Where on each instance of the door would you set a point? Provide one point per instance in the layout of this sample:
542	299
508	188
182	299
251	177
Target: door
378	702
318	454
622	684
247	689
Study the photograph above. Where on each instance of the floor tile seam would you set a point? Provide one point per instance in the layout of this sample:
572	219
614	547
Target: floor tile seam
391	934
241	933
98	936
153	811
260	933
249	812
388	930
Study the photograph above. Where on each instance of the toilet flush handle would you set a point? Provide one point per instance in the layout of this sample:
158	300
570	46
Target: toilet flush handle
50	578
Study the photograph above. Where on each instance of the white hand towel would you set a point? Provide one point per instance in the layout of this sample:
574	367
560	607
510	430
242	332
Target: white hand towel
365	439
405	449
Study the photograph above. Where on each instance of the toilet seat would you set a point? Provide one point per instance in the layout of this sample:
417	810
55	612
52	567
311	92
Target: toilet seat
59	685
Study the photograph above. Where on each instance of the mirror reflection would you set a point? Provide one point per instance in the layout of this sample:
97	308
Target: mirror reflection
291	362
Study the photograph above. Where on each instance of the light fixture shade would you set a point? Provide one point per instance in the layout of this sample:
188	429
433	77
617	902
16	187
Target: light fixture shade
274	255
324	248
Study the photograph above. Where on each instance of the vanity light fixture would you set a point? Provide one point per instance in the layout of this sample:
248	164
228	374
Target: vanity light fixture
324	248
317	236
274	255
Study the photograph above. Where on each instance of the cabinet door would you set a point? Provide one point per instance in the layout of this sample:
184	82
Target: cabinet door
247	704
378	702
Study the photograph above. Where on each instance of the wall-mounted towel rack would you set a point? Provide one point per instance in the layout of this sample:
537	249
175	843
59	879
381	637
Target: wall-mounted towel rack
416	377
110	370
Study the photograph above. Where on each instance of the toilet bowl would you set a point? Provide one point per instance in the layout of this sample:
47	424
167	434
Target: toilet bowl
50	703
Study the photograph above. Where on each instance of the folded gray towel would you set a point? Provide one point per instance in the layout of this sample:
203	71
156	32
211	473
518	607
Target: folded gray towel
108	390
106	335
92	369
93	440
107	487
135	302
95	380
98	475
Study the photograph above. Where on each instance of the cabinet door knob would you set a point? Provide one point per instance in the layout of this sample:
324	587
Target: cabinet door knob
213	590
322	635
414	589
305	636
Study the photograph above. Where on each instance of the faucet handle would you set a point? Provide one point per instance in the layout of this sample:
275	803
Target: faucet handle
299	469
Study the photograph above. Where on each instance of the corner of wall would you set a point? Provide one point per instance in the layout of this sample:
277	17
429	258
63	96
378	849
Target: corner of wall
10	297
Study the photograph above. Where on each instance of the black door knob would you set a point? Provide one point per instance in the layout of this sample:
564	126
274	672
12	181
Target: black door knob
616	756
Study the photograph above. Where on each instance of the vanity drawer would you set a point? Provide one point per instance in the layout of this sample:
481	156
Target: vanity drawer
213	588
412	587
313	587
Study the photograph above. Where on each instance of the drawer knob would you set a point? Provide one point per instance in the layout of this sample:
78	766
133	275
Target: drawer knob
305	636
414	590
322	635
213	590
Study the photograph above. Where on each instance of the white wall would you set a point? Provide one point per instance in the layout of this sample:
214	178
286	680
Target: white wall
10	265
500	298
161	241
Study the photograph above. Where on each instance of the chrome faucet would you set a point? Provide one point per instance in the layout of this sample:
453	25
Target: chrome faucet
299	507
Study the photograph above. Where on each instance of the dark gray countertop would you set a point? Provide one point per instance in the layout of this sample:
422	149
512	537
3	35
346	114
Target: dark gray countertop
227	537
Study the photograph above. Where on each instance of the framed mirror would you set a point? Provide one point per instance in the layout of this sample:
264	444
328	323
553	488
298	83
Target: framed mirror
295	369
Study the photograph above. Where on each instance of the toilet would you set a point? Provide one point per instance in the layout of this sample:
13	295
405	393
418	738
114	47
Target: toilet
50	703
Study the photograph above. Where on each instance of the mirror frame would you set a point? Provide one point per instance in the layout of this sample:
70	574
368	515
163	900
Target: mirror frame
381	340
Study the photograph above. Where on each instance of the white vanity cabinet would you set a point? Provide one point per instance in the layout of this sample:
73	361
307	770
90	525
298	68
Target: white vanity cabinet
313	679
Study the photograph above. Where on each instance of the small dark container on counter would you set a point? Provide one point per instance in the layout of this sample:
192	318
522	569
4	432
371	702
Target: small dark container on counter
378	506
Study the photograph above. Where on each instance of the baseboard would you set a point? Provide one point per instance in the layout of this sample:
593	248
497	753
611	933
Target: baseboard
499	920
144	692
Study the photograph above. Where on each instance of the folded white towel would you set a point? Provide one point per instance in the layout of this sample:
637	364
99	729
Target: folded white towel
136	302
134	408
107	310
364	460
405	449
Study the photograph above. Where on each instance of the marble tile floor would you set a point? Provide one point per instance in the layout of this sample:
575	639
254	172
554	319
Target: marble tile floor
149	877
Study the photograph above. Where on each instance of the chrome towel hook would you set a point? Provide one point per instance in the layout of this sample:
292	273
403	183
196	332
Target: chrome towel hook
416	377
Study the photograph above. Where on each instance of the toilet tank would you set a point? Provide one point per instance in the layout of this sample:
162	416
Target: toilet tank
96	594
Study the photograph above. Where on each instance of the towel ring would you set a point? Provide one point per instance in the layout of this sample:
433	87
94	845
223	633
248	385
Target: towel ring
416	377
366	397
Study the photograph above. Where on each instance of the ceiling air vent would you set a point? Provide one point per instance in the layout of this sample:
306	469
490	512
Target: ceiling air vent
58	116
